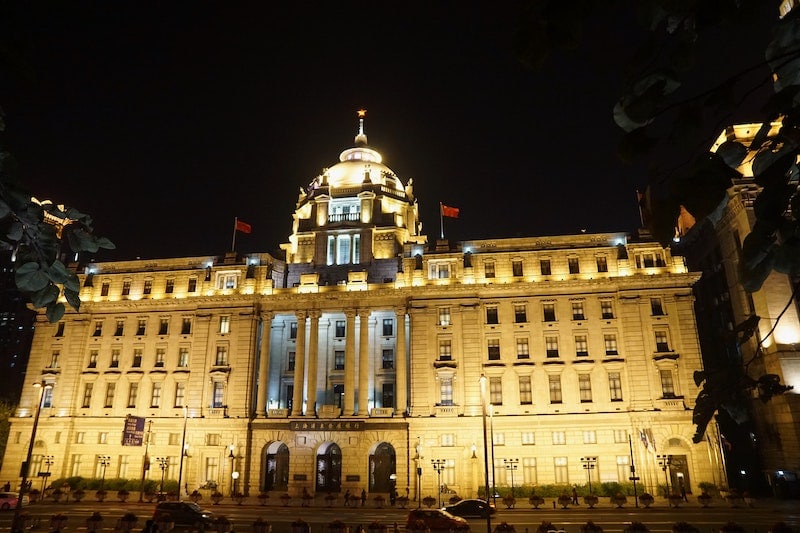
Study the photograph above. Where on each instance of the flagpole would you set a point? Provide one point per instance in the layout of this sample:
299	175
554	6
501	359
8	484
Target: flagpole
441	221
233	239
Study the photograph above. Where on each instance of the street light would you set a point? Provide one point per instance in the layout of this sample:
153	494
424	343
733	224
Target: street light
418	460
104	461
588	465
163	463
42	386
235	476
485	451
184	453
664	462
48	461
232	457
511	465
494	474
438	465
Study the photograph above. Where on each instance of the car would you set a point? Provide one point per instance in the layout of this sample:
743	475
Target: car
186	514
471	508
8	500
434	519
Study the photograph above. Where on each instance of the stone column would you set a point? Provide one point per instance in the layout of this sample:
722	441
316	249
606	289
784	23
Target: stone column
350	363
401	369
363	362
263	364
313	348
299	364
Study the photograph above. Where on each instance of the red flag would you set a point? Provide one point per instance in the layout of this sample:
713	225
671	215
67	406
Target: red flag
244	227
448	211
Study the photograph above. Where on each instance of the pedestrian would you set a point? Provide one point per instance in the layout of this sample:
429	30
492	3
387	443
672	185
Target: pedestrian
574	495
363	497
392	496
7	486
347	498
683	492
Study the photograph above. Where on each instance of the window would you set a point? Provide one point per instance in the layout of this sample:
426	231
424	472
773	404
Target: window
523	348
141	326
224	324
155	395
528	438
581	346
211	470
620	436
520	313
120	328
160	356
623	470
293	330
667	384
291	359
221	358
338	360
549	312
163	326
445	350
590	436
662	344
577	311
114	359
446	391
440	270
488	269
80	437
610	341
496	391
516	268
192	285
227	280
340	329
606	309
551	345
212	439
493	349
148	286
137	358
126	288
585	387
529	470
656	307
186	326
525	391
388	327
104	288
499	438
169	287
649	260
59	330
133	393
93	359
387	359
180	393
174	439
554	383
574	265
559	438
447	439
602	263
561	470
98	328
54	359
387	395
491	315
183	357
544	266
444	316
87	394
615	386
111	389
47	396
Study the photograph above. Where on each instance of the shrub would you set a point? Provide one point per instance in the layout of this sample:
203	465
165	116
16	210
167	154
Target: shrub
646	499
591	527
684	527
546	526
636	527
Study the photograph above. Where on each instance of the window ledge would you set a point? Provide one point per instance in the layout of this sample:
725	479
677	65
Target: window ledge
661	356
553	363
445	364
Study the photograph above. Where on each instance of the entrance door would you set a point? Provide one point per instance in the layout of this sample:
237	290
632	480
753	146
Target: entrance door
679	473
381	467
329	468
277	467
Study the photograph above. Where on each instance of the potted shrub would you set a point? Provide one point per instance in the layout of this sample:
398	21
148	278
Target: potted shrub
731	527
636	527
428	501
123	495
94	522
239	498
591	527
546	526
78	494
222	524
100	495
535	500
509	501
300	526
262	498
306	498
379	500
504	527
646	499
216	497
286	498
127	522
337	526
704	499
454	499
34	494
564	500
675	500
376	527
591	500
330	499
196	496
261	526
57	521
619	500
57	494
684	527
417	527
402	502
164	522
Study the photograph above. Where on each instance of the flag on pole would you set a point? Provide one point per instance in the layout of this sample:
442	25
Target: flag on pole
651	439
244	227
643	436
447	211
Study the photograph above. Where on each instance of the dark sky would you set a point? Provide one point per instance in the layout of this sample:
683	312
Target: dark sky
166	119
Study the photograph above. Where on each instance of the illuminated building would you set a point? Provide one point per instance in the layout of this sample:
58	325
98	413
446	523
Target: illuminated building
359	356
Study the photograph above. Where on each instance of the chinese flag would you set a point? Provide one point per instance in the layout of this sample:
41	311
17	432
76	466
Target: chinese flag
448	211
244	227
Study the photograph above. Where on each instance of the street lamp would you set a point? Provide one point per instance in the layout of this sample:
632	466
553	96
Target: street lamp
232	457
438	465
163	463
418	460
485	451
42	386
664	462
494	474
511	465
184	453
103	461
588	465
48	461
235	476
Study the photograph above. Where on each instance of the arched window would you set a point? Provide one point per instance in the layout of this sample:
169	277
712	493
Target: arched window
329	468
276	474
382	466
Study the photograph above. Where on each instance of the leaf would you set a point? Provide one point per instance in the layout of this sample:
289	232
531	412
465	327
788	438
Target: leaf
57	272
55	312
15	231
5	210
45	296
30	278
770	168
73	298
787	257
72	283
106	244
732	153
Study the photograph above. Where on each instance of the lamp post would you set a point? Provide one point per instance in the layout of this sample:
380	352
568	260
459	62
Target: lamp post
103	461
183	451
588	465
485	450
235	476
163	463
232	457
48	462
664	462
494	474
42	386
438	465
418	460
511	465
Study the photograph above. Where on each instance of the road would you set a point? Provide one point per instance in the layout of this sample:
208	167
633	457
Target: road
658	518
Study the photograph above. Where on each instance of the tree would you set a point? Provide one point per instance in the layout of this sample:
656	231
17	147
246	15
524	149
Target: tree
35	231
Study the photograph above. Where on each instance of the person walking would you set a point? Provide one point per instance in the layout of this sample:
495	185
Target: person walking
574	495
363	497
347	498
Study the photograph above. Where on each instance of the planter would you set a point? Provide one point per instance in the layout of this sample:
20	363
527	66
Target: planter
684	527
94	523
262	498
591	527
546	526
675	500
216	497
417	527
164	522
535	500
591	500
127	522
285	499
504	527
402	502
300	526
636	527
260	526
57	521
379	500
57	494
222	524
123	495
100	495
149	496
509	502
428	501
196	496
564	500
704	499
330	499
239	498
619	500
646	499
77	495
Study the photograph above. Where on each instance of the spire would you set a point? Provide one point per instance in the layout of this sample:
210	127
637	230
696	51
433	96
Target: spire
361	137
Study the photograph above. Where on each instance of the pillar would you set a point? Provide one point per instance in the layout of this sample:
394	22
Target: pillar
363	362
350	363
313	349
401	368
263	364
299	365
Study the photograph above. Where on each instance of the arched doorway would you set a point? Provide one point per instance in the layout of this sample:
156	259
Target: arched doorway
382	465
329	468
276	467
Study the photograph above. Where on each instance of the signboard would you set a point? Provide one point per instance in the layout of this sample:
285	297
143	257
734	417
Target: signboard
133	434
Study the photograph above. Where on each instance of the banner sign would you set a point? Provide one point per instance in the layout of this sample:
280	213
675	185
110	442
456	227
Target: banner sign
133	434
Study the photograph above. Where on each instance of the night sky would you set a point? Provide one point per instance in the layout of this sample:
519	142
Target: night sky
166	119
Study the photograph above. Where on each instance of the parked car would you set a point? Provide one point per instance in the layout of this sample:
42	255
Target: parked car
186	514
8	500
435	519
471	508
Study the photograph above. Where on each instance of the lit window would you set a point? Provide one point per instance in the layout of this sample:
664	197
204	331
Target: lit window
574	265
221	358
293	329
169	287
529	470
227	280
528	438
126	288
192	285
551	345
444	316
340	329
623	470
448	439
615	386
224	324
561	470
523	348
610	341
549	312
445	350
104	288
590	436
656	307
120	328
577	311
554	383
155	395
183	357
606	309
620	435
186	326
585	387
559	437
525	391
92	359
160	356
87	394
148	286
343	250
180	393
110	390
163	326
54	359
544	266
493	346
141	326
114	359
388	327
602	263
667	384
516	268
488	269
662	342
520	313
446	391
581	346
218	395
137	358
440	270
133	393
491	314
98	328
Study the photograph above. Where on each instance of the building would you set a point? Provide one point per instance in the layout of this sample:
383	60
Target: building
366	356
16	332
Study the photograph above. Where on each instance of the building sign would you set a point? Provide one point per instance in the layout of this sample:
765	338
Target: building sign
355	425
133	434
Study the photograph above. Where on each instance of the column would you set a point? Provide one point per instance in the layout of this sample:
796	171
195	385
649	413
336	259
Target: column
350	363
299	364
401	369
363	362
313	348
263	364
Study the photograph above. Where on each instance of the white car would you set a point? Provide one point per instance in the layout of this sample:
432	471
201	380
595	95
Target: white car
8	500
